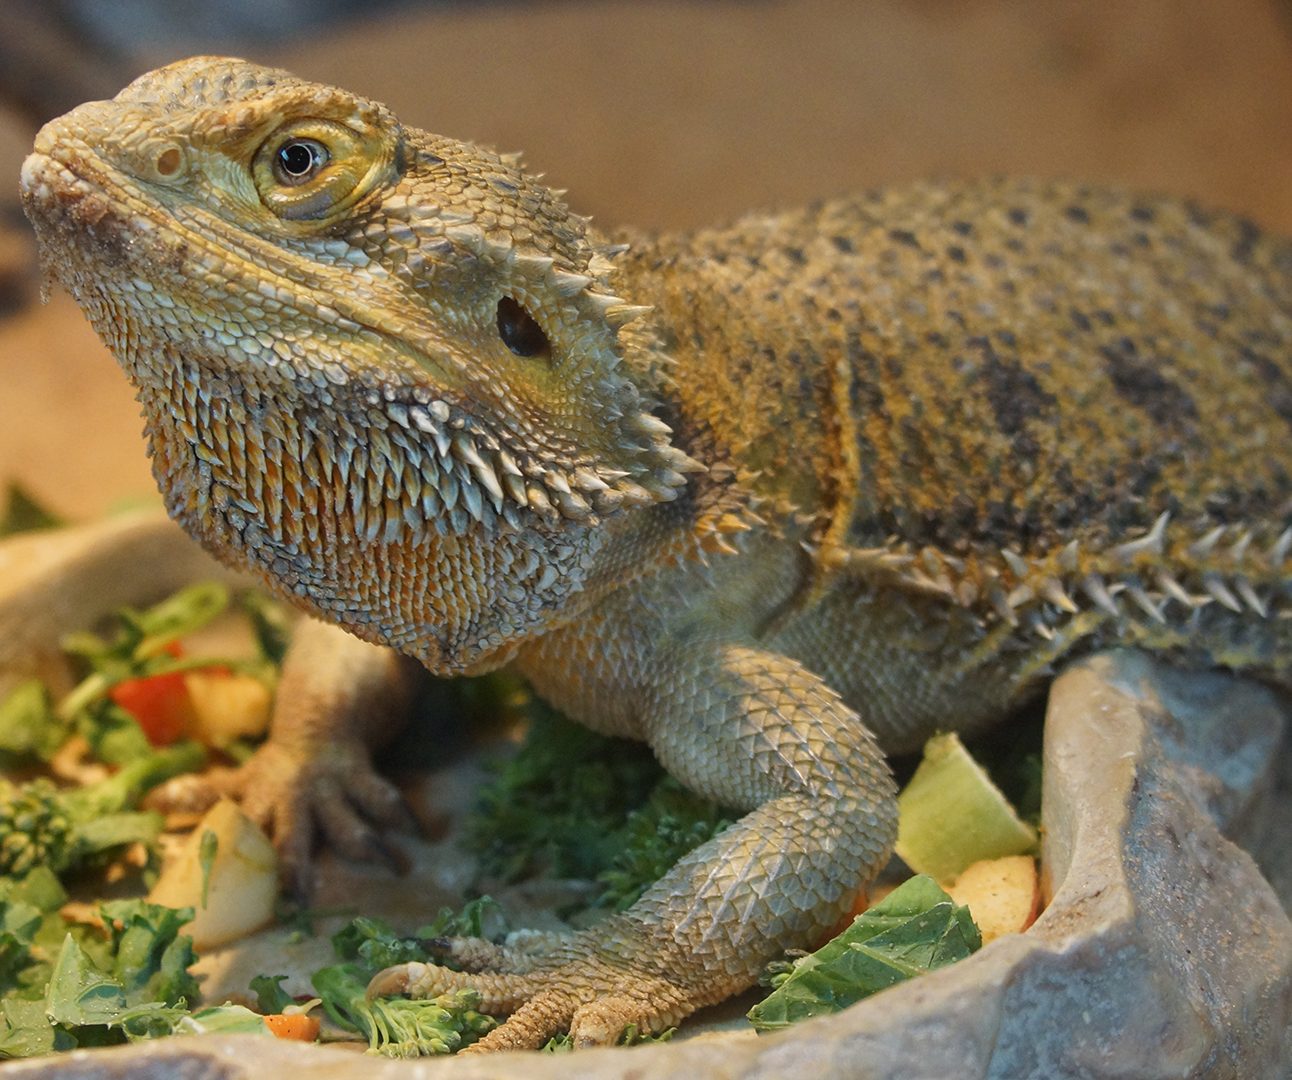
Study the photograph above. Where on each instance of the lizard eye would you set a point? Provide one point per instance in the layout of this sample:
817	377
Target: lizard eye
299	160
519	329
315	169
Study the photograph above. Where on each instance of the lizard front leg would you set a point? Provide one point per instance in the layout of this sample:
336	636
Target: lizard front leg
753	730
338	699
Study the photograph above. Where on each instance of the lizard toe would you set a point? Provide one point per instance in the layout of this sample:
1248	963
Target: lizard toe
380	801
348	831
500	993
529	1027
605	1020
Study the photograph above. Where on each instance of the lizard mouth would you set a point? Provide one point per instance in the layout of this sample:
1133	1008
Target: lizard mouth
80	221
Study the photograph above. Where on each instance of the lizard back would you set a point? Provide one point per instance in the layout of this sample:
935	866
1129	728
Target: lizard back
1057	407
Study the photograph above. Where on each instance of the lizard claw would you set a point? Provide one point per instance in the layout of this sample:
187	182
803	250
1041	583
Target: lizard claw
396	980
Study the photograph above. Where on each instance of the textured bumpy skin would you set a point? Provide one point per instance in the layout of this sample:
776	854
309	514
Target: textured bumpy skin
773	498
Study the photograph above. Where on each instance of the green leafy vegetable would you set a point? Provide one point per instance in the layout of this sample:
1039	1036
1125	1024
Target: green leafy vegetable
28	923
572	803
139	647
221	1020
466	921
375	944
555	805
270	995
270	624
653	838
65	984
29	726
208	849
132	983
916	928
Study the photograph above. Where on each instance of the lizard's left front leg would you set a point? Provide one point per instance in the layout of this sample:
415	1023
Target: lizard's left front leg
752	730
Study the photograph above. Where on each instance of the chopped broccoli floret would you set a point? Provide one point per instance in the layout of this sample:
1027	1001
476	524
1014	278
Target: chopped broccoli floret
35	829
395	1026
400	1027
42	824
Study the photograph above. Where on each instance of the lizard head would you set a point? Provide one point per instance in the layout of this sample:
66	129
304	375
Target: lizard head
380	367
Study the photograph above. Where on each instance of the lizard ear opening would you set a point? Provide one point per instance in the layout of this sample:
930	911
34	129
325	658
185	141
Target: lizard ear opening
577	428
520	331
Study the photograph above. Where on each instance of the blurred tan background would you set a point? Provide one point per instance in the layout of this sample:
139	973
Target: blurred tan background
674	114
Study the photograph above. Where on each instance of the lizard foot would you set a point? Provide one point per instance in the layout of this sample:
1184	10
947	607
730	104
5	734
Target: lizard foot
584	989
296	799
337	697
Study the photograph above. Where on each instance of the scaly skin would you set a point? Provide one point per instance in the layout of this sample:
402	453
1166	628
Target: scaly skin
817	485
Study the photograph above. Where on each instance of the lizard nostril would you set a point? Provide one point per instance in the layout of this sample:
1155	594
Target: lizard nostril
169	161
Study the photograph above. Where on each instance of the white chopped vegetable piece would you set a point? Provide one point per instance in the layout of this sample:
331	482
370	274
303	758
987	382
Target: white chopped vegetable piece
231	881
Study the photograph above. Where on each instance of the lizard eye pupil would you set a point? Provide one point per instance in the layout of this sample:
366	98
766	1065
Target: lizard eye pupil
299	159
519	329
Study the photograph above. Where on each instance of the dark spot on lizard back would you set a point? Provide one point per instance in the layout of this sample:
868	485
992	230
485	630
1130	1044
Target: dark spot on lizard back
865	390
1277	381
1077	214
904	237
1140	382
1073	503
1016	395
843	244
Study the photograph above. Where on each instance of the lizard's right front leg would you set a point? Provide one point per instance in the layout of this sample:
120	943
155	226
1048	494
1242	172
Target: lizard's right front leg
753	730
338	699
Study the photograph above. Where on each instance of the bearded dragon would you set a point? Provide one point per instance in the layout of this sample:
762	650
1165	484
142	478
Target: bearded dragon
777	498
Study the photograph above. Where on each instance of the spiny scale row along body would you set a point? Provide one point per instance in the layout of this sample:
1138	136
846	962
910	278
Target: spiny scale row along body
773	498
